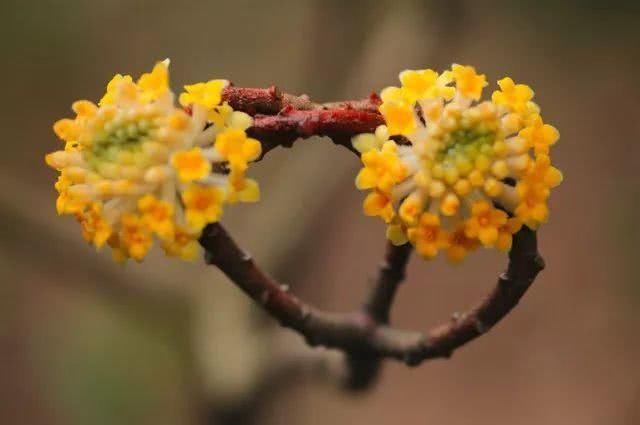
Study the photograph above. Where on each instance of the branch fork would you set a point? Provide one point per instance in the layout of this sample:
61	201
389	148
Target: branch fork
365	336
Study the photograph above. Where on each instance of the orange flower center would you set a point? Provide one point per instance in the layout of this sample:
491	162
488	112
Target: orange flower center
159	213
202	202
430	234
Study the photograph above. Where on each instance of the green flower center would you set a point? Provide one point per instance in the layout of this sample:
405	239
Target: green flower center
117	137
466	144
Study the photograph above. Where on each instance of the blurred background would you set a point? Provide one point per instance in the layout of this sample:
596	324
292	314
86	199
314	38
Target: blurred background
84	341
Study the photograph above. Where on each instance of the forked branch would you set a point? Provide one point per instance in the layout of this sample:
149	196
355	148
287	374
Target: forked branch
355	333
365	336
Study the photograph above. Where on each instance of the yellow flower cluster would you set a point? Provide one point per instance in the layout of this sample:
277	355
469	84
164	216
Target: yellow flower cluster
137	168
451	172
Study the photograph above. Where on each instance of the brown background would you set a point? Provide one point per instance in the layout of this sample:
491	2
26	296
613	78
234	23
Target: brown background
83	341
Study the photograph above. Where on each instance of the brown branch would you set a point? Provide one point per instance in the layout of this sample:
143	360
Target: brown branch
280	119
291	124
271	101
364	366
349	332
390	275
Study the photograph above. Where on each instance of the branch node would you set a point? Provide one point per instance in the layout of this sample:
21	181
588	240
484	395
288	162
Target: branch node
416	354
480	326
265	296
539	262
305	313
274	92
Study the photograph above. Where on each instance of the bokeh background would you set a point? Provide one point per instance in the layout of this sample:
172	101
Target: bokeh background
84	341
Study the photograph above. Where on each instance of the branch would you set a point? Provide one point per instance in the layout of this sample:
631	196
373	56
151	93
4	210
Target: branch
391	274
291	124
351	334
271	101
364	366
280	119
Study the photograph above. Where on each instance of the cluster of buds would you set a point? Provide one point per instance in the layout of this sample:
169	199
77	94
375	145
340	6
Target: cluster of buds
137	168
447	171
451	172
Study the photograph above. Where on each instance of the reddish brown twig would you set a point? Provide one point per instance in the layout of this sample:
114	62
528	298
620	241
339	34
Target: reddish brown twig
354	334
271	101
291	124
281	119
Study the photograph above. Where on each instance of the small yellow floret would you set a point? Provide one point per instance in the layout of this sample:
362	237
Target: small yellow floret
418	84
542	172
84	108
459	244
396	234
111	94
203	205
66	129
506	232
378	204
532	209
135	236
95	229
516	97
450	205
382	169
366	142
191	165
540	136
238	149
183	245
155	83
400	117
158	215
484	222
428	237
207	94
410	209
242	189
469	83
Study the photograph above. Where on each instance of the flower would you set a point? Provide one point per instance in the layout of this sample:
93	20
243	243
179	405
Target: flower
95	229
382	168
540	136
135	236
428	236
135	167
459	244
191	165
485	222
203	204
515	97
237	149
469	83
400	117
378	204
471	170
183	245
506	232
241	189
158	215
